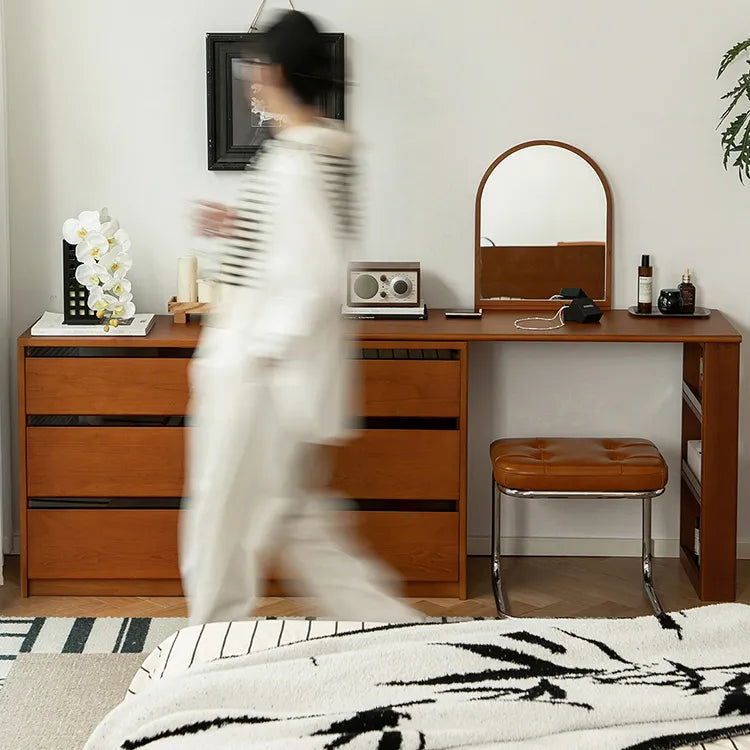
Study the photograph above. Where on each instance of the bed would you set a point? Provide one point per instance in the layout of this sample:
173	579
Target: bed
682	680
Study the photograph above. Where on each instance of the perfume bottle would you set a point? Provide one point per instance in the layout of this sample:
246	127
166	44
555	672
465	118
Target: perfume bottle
687	293
645	282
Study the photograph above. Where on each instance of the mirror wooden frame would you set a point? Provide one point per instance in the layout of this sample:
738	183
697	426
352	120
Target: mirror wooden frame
497	304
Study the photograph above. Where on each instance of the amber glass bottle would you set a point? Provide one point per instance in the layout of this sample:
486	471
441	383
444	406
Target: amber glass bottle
645	285
687	293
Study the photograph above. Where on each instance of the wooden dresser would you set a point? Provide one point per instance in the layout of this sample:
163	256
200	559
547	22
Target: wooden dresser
102	433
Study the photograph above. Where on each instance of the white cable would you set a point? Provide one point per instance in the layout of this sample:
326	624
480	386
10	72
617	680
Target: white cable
558	316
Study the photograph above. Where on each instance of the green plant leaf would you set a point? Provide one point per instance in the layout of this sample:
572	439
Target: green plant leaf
743	87
729	136
743	155
732	55
736	142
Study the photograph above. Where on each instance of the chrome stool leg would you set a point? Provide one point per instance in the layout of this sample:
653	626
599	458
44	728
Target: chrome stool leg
497	584
646	555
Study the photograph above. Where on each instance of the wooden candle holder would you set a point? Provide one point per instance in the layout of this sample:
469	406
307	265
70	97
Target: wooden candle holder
182	310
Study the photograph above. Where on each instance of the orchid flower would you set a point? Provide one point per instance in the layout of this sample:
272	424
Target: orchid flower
123	307
118	287
76	230
92	248
110	229
110	226
122	240
117	263
92	275
100	301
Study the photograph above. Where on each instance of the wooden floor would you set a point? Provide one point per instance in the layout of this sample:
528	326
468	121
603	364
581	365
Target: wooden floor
535	586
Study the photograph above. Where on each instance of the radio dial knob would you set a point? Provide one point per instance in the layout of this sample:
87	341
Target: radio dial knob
401	286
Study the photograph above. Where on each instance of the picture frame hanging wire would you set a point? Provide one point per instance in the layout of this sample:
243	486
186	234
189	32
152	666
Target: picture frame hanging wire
254	23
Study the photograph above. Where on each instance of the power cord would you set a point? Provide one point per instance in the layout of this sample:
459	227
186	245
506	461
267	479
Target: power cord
557	317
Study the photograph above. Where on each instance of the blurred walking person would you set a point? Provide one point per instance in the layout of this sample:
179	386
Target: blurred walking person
271	379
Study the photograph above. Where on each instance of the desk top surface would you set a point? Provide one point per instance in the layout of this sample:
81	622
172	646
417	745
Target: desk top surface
615	325
498	325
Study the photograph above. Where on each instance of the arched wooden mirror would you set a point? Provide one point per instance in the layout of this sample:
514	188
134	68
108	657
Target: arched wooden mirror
543	223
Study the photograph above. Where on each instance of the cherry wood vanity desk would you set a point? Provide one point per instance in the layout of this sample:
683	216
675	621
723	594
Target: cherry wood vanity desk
102	446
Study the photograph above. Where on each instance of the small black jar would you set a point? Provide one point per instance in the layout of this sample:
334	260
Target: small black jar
670	302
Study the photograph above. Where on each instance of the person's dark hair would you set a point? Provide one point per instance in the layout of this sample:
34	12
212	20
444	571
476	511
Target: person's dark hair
294	43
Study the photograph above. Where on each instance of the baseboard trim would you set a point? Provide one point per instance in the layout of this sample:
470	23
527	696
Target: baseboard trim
578	547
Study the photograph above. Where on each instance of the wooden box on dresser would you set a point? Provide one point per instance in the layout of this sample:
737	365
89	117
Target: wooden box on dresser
102	433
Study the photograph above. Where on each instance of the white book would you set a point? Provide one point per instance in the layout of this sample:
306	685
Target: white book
51	324
695	456
417	312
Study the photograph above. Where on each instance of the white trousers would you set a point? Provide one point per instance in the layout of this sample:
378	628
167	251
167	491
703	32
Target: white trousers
247	499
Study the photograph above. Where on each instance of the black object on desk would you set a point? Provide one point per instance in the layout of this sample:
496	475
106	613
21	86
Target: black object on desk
582	310
572	292
670	301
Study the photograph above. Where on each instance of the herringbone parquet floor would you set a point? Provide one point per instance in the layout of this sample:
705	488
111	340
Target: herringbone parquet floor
536	587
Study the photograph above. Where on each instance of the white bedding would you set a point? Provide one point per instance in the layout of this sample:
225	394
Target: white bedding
543	683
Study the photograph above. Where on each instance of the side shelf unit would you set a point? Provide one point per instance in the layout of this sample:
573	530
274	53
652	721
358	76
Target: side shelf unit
708	501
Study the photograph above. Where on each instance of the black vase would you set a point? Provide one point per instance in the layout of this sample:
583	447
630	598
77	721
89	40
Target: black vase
75	295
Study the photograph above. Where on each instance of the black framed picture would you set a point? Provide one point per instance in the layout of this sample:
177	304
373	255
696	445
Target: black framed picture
238	121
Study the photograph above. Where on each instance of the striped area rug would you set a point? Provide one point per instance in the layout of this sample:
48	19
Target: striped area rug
81	635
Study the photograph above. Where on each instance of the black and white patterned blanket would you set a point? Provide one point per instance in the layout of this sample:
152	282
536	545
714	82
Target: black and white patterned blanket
520	684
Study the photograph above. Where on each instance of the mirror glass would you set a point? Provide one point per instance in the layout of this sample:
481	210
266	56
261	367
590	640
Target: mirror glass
542	225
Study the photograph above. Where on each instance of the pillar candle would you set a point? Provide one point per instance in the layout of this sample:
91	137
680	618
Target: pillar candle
187	279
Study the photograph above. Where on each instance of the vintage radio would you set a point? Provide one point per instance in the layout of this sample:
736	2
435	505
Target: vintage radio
383	284
384	290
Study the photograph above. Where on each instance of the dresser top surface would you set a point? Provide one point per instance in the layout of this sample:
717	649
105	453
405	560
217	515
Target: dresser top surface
615	325
164	333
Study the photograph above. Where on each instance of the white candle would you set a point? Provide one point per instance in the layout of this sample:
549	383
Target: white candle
205	291
187	279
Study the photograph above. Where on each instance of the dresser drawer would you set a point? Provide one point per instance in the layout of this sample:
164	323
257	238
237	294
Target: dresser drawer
103	544
101	386
419	546
105	461
142	544
410	388
399	465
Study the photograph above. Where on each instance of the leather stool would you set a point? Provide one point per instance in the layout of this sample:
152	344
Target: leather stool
579	469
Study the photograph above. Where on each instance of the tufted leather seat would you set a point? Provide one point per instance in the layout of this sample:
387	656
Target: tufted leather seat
577	467
578	464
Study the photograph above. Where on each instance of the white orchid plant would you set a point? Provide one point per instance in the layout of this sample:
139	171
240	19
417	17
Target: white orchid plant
103	251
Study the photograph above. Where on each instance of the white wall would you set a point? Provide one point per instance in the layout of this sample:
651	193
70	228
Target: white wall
108	107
